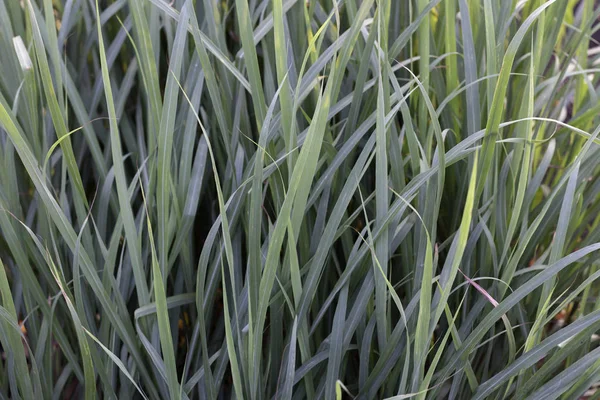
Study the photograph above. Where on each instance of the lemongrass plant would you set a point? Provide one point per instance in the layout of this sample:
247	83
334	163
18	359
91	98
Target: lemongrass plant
289	199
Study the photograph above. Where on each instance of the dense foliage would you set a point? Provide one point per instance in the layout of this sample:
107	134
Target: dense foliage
294	199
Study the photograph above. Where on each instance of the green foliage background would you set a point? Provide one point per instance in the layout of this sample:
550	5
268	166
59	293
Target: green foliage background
294	199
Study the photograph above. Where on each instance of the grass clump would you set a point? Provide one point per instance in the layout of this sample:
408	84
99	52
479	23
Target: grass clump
263	199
